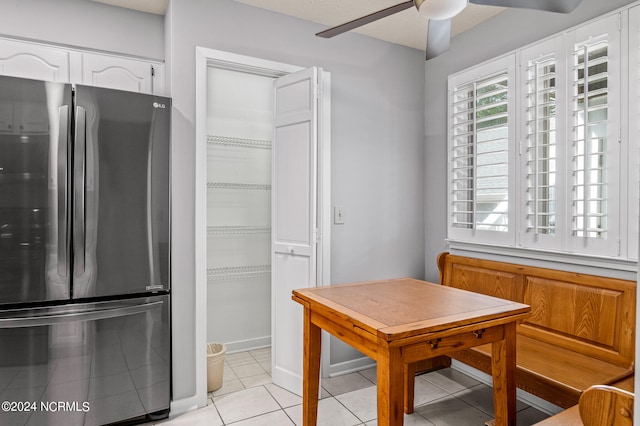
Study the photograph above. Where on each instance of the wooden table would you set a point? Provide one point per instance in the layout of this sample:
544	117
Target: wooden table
402	321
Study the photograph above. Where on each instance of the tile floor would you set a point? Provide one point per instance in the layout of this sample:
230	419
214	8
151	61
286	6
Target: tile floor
248	398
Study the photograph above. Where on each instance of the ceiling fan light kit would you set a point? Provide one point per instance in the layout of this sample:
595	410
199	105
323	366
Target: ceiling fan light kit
440	13
440	9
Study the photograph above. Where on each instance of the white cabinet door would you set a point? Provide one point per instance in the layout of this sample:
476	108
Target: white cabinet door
294	217
117	73
38	62
50	63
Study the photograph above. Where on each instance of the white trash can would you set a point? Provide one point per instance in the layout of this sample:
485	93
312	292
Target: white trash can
215	365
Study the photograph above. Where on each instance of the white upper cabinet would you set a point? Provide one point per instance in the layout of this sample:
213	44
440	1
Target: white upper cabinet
28	60
51	63
118	73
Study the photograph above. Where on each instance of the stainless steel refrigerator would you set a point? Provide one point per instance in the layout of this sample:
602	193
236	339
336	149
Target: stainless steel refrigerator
84	254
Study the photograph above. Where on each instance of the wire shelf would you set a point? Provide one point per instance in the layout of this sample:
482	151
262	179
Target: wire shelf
229	185
239	142
238	230
238	272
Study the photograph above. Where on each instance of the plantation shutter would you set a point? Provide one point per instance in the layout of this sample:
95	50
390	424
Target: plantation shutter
480	128
561	173
595	145
543	83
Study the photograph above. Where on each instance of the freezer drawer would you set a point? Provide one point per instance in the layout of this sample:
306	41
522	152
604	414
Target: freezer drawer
88	364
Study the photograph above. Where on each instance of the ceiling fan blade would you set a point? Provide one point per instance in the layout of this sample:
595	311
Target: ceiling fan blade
559	6
365	20
438	37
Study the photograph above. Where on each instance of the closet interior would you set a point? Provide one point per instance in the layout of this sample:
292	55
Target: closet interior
239	133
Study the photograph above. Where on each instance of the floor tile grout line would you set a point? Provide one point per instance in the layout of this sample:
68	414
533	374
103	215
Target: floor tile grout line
476	402
354	414
219	413
262	414
283	409
360	373
478	407
252	417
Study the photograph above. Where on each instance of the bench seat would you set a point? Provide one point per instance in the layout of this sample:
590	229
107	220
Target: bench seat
581	331
555	374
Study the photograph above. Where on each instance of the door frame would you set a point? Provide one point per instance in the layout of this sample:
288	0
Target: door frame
205	58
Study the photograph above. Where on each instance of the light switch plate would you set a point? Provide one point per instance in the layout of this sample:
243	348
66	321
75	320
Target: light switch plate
338	215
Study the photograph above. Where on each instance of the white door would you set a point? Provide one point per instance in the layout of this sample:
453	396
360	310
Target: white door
295	225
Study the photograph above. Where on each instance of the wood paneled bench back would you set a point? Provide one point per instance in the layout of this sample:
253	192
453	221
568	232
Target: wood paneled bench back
580	333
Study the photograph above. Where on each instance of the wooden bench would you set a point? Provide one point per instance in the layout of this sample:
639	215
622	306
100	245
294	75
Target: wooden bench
580	333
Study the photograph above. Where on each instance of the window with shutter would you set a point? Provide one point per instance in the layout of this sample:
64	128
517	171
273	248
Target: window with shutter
479	153
569	171
594	150
541	156
543	81
590	141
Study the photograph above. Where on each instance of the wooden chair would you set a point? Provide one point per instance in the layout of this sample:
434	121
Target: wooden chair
606	406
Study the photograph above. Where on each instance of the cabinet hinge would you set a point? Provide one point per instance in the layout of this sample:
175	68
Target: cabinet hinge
317	235
153	74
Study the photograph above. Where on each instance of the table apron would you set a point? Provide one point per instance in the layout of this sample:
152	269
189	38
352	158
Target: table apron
414	348
349	333
447	344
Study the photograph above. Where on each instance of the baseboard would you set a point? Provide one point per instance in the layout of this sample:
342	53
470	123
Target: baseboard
529	399
350	366
287	380
248	345
181	406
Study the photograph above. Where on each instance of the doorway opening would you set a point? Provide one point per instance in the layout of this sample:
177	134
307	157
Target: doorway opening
234	171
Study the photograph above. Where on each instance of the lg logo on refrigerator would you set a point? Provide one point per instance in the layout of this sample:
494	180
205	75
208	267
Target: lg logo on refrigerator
158	105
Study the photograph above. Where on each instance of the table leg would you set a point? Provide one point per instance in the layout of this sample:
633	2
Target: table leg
409	386
311	370
503	363
390	386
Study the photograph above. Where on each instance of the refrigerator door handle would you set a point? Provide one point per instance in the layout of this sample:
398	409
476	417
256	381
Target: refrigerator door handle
74	316
79	177
63	192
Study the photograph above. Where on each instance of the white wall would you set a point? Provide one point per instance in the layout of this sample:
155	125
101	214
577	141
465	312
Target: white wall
86	24
479	44
377	146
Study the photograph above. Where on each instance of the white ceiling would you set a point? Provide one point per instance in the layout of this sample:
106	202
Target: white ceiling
158	7
406	28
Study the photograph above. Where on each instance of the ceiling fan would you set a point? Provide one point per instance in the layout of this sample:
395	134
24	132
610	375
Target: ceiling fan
440	12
